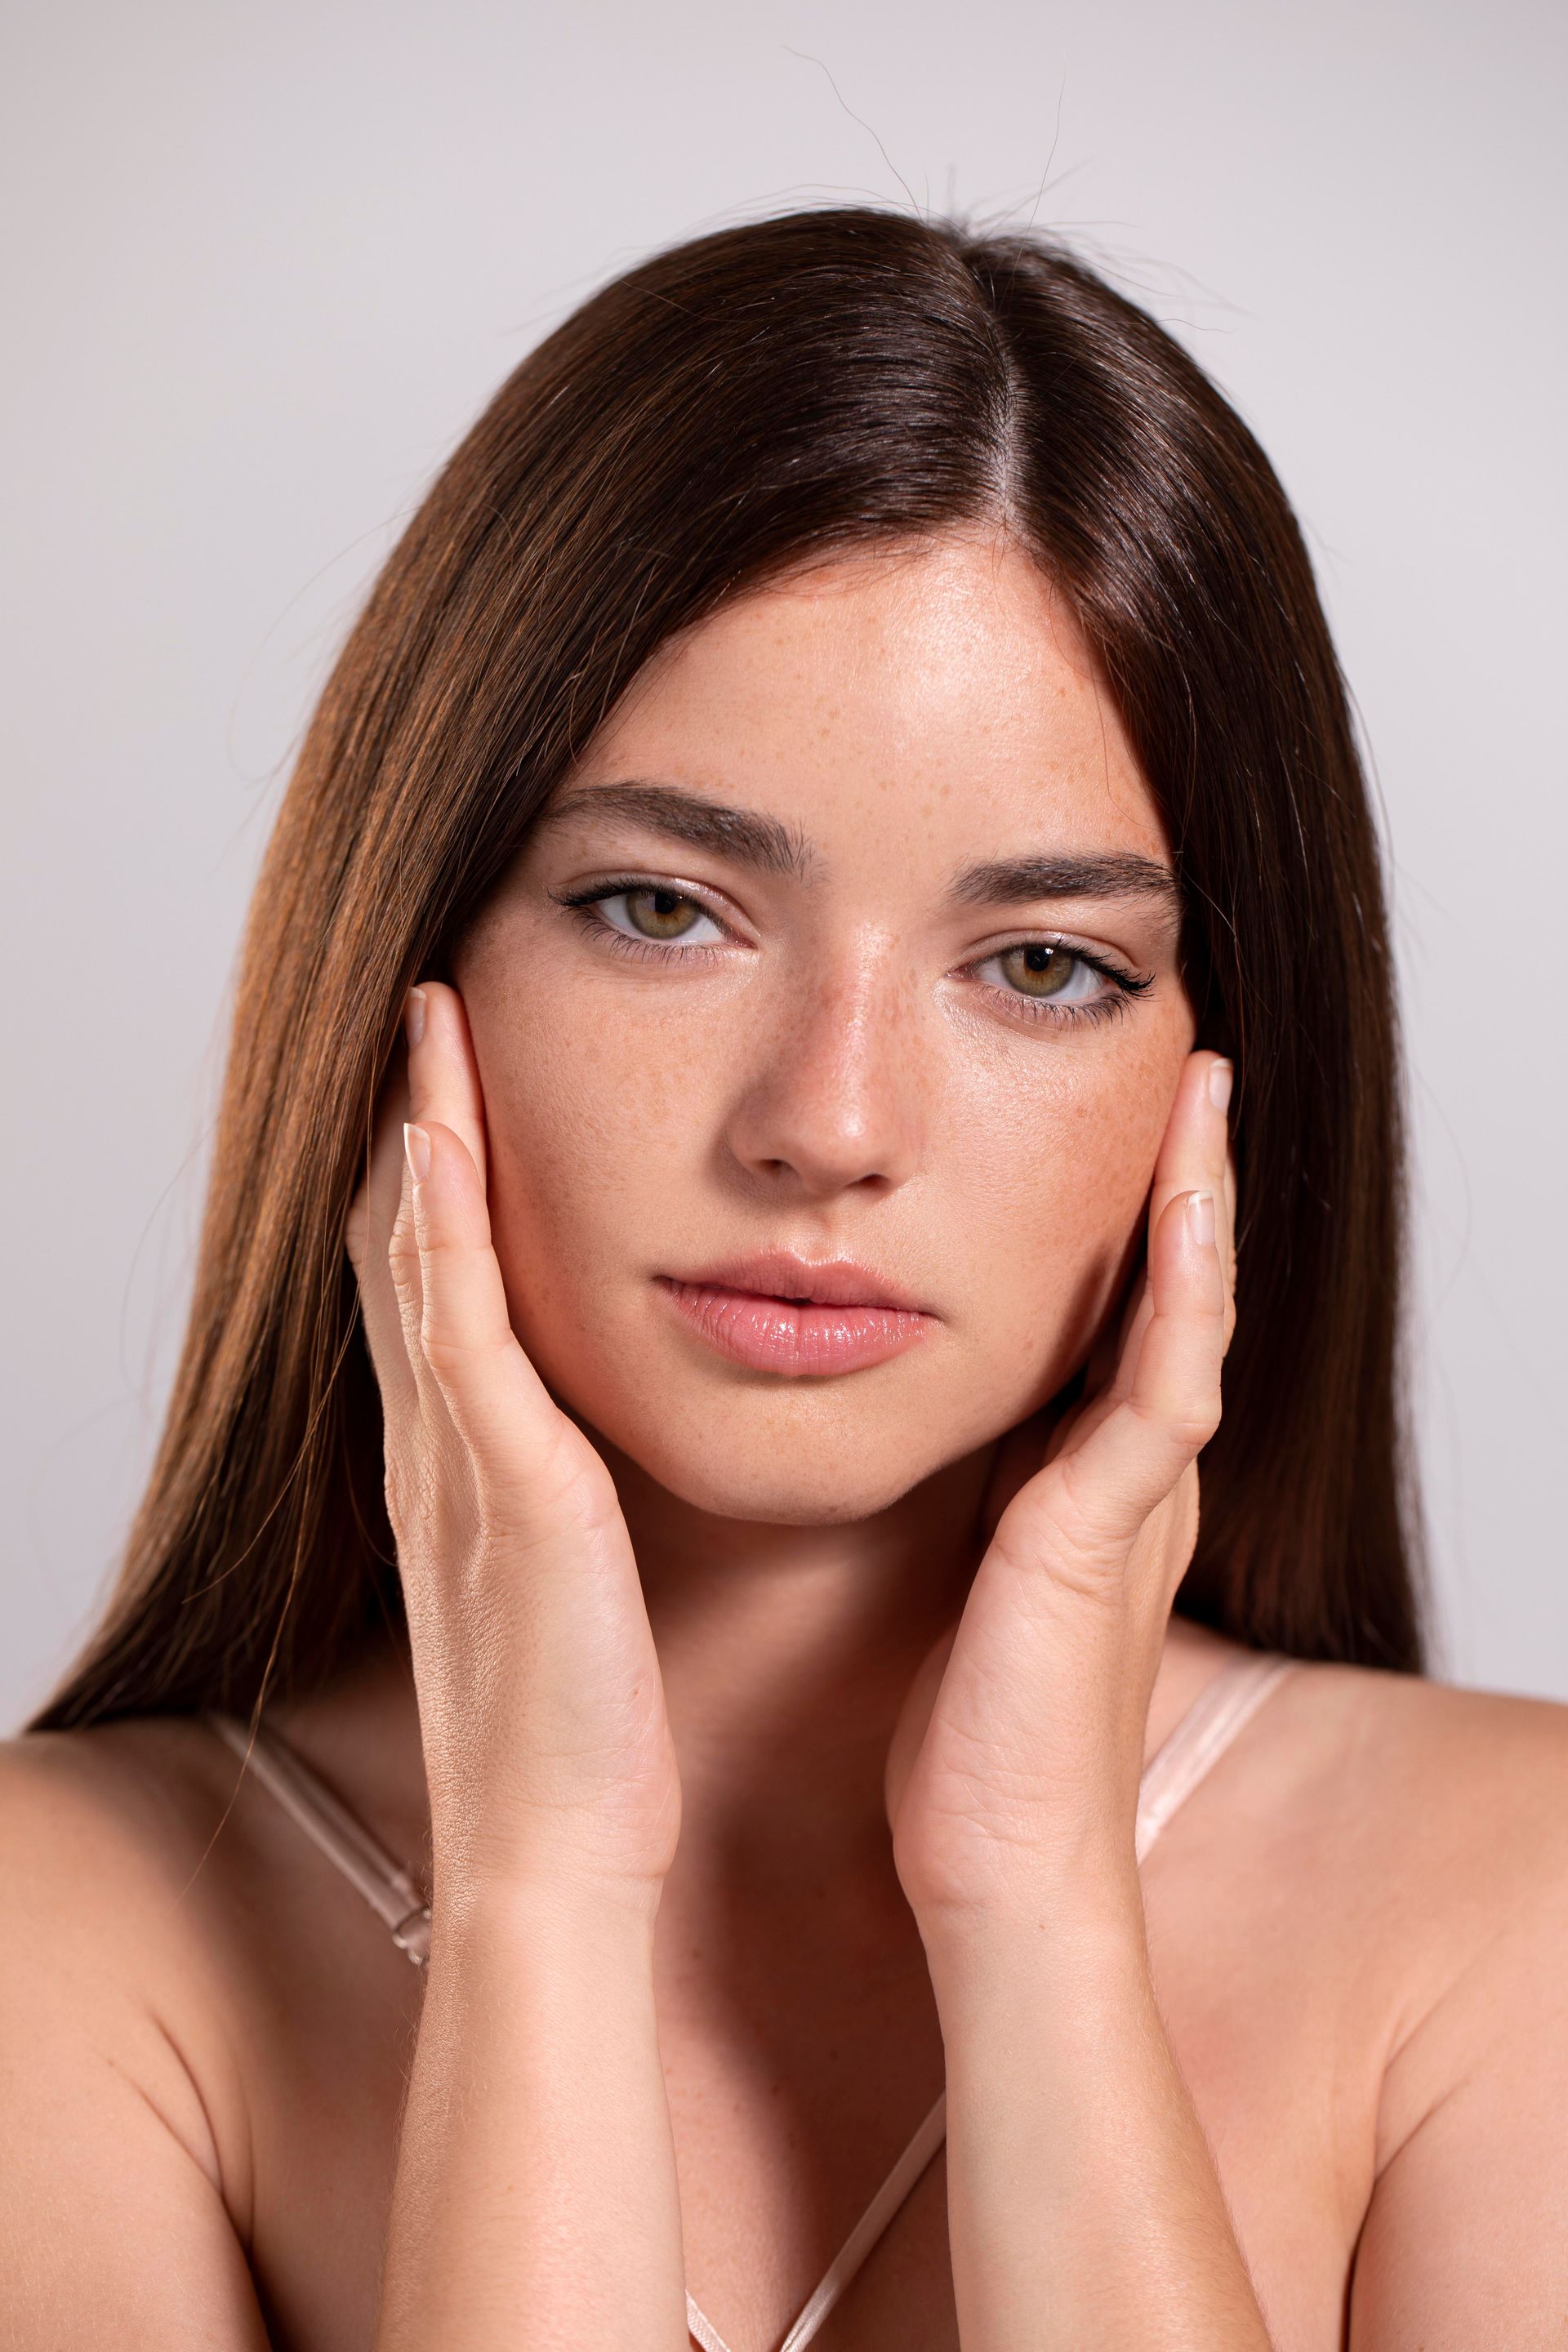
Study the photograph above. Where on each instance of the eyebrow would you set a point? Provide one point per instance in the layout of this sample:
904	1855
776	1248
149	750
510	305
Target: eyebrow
758	841
1011	881
772	847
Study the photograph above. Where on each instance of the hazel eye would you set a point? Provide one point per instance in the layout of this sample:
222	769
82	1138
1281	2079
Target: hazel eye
653	913
1038	969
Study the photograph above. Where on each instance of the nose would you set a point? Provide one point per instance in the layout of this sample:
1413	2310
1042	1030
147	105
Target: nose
834	1092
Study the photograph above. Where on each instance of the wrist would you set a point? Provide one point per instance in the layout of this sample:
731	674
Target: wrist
558	1911
1052	1913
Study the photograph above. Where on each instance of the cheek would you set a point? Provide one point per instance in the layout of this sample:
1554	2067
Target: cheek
607	1147
1053	1162
595	1138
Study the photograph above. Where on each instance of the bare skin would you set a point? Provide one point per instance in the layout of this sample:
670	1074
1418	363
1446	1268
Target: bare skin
716	2000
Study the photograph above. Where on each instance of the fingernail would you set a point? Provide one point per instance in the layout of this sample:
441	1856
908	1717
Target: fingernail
414	1015
1200	1218
417	1150
1221	1078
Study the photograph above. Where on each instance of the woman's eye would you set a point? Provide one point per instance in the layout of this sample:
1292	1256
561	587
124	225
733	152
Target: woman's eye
652	913
1041	972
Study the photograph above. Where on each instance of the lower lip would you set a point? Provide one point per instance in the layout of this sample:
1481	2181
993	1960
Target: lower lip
794	1336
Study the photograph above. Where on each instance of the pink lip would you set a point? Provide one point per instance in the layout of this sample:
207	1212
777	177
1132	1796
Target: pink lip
779	1313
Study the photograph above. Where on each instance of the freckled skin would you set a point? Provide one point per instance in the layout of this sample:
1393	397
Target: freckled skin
833	1080
1355	1924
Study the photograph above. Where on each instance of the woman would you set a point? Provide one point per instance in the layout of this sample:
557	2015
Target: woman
837	811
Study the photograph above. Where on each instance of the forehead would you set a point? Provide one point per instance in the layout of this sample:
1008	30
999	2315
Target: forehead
940	693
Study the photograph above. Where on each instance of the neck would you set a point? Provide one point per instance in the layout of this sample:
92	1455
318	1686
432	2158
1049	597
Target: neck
785	1651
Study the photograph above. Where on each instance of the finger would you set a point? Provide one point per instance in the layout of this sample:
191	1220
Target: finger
1230	1199
1227	1252
1195	1154
369	1238
1221	1078
1176	1387
1109	1348
443	1070
499	1405
1192	1148
374	1203
442	1086
1131	1459
1140	1308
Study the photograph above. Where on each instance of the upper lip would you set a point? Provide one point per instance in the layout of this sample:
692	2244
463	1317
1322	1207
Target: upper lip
828	1282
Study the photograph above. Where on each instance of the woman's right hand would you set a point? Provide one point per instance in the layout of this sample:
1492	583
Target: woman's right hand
547	1750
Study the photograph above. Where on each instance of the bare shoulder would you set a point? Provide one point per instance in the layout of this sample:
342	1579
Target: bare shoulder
105	1832
118	2071
1434	1805
1467	1785
1404	1826
121	1904
1421	1870
1424	1830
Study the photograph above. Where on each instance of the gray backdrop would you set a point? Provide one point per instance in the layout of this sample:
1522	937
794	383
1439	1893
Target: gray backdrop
264	263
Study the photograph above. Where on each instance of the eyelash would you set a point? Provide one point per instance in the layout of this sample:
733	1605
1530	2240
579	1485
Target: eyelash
1126	986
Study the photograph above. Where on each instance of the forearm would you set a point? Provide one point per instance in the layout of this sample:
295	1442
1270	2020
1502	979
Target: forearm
1084	2208
535	2197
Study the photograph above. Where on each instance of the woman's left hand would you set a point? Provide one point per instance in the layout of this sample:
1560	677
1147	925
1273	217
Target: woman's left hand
1020	1748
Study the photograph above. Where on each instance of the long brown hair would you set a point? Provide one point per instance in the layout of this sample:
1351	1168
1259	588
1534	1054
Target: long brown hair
740	405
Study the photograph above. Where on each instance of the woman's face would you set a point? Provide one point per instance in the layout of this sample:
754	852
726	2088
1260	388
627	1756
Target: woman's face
882	968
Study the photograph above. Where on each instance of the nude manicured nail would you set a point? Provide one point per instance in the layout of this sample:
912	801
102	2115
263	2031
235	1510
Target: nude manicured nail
416	1149
1221	1075
414	1015
1200	1218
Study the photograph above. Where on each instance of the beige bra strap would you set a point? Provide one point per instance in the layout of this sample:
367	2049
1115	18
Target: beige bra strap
1192	1748
856	2247
1201	1738
1173	1773
389	1889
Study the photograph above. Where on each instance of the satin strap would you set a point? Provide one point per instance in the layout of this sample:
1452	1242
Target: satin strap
1192	1748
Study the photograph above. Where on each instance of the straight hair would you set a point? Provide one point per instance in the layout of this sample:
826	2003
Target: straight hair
741	405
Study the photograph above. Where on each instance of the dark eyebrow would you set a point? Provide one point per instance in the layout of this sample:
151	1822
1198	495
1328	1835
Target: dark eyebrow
1013	881
776	848
759	841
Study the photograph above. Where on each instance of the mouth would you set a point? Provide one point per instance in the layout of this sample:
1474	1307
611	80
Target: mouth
776	1312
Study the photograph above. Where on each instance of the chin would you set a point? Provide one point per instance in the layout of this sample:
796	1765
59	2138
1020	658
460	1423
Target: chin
798	1457
765	1495
788	1453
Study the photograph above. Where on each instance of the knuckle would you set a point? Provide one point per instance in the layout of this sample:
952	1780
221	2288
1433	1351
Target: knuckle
1195	1425
455	1357
403	1241
1089	1524
403	1265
